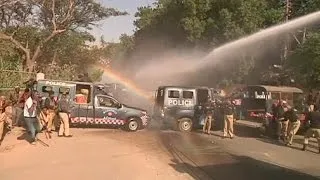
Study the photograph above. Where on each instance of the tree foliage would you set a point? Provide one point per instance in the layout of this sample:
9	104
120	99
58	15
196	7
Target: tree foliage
36	33
45	20
305	62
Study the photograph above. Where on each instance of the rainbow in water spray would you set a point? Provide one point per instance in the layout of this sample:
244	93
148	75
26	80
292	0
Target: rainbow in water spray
125	81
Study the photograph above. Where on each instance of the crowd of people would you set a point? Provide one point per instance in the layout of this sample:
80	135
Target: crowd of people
214	110
288	122
39	114
284	117
35	113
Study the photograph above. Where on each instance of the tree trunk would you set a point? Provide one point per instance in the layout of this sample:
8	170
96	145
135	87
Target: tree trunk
304	35
29	63
54	59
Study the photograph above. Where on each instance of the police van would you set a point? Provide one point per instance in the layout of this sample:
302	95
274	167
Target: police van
91	105
179	106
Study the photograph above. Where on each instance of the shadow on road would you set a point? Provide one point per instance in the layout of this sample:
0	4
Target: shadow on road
201	159
246	131
297	144
244	168
5	132
24	136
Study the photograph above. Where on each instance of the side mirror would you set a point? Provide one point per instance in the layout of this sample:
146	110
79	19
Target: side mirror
119	105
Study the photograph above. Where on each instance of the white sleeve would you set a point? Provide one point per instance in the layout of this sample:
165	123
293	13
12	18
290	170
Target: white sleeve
29	103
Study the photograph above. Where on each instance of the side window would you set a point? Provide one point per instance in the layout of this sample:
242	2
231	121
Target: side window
173	94
275	95
106	102
47	88
187	94
246	94
159	93
83	93
64	89
160	97
287	96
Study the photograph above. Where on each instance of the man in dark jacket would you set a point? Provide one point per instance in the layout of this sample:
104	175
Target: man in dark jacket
314	130
208	110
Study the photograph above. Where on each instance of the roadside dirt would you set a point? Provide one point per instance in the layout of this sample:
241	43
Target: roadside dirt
90	154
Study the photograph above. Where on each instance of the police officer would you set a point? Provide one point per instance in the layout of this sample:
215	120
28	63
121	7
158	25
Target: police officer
208	110
281	121
314	130
64	111
17	106
5	118
50	105
229	111
294	124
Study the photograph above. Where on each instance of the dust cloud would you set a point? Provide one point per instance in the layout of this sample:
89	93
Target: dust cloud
165	69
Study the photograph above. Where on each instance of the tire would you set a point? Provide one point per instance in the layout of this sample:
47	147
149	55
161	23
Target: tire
185	125
133	124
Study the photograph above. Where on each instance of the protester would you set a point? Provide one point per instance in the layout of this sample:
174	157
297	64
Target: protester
30	117
314	130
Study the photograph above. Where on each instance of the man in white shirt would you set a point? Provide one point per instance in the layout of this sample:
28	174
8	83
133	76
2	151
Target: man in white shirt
30	114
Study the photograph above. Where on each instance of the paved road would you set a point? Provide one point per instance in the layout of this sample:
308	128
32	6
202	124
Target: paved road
206	157
158	154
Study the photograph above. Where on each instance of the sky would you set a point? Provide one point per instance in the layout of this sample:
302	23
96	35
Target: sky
113	27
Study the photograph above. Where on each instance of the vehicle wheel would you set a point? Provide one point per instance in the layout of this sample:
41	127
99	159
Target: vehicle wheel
133	124
185	125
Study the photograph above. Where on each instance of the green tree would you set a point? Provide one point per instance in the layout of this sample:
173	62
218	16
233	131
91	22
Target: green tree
54	17
206	24
68	48
305	62
211	23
